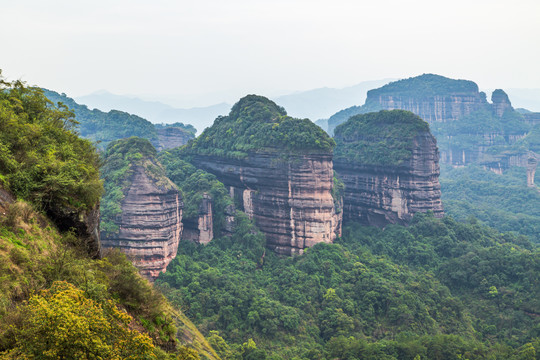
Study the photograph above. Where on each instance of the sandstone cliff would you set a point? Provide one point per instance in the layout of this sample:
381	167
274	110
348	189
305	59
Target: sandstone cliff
171	137
278	170
389	164
468	128
289	199
143	208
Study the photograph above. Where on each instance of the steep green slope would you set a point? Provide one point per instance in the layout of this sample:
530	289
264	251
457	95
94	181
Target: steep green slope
55	300
102	127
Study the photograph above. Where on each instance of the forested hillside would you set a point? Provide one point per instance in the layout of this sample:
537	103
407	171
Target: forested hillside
438	289
56	301
102	127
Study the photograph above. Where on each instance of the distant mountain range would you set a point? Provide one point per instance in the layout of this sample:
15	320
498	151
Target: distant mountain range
312	104
155	111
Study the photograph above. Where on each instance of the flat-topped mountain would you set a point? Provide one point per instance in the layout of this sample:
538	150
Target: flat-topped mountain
277	168
389	164
142	209
468	128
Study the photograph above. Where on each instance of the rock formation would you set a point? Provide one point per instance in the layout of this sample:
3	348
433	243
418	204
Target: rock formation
501	103
148	226
171	137
532	163
468	128
289	199
278	170
200	229
389	164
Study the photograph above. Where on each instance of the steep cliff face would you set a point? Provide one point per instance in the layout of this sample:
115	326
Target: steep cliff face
142	207
200	229
468	128
289	198
389	164
278	170
171	137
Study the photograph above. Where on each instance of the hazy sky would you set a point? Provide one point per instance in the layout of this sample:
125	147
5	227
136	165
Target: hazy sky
205	50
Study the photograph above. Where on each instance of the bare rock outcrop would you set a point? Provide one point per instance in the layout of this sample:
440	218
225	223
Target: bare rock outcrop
200	229
171	137
501	103
148	225
289	198
389	164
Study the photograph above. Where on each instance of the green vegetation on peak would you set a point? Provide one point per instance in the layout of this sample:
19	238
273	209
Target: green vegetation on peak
101	127
119	162
256	123
42	159
379	138
426	85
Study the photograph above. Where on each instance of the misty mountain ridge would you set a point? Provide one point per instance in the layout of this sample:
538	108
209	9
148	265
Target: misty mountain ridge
313	104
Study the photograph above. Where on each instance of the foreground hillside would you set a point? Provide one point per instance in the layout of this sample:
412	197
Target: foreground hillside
56	300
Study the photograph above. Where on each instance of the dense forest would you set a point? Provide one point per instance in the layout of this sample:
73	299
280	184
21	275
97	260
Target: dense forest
474	192
462	287
438	289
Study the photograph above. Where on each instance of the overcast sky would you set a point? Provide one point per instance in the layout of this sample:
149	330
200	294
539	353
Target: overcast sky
204	50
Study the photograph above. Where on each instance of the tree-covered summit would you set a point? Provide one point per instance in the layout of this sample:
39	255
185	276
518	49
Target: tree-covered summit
256	123
379	138
425	85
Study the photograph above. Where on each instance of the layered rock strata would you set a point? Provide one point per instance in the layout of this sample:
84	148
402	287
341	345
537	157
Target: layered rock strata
171	137
150	222
393	188
277	168
289	198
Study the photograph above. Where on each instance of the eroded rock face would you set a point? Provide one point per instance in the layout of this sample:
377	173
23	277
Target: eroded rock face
288	196
150	225
171	137
532	163
200	229
435	108
501	102
391	190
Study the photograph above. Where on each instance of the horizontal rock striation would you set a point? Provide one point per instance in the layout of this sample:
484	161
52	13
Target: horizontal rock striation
171	137
142	208
289	197
150	225
393	189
